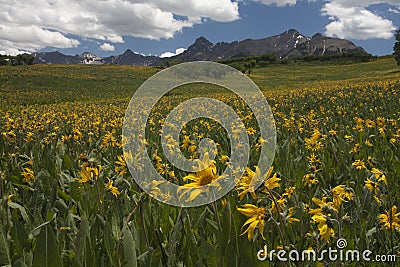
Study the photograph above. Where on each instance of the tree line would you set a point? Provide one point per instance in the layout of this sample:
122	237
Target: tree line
245	64
22	59
396	47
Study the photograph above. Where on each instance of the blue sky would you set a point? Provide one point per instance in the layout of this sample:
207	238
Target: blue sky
158	26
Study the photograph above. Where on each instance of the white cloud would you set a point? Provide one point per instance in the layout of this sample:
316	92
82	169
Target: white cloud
394	10
7	49
170	54
280	3
107	47
353	19
218	10
365	3
36	24
17	39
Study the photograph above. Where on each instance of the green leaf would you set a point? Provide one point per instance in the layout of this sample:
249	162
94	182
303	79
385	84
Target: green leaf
226	222
46	252
19	263
24	187
213	224
20	237
75	191
62	195
90	257
175	235
67	162
129	248
5	259
144	258
24	261
20	208
109	243
36	230
80	243
114	226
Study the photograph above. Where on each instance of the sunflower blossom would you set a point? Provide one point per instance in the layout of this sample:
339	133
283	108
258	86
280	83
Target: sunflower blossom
114	190
257	216
390	219
28	175
120	169
359	164
309	180
325	227
380	176
205	174
88	173
324	207
245	184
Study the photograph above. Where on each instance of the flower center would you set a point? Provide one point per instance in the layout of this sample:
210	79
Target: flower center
205	180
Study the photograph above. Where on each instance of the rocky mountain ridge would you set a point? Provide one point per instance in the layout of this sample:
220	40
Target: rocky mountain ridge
289	44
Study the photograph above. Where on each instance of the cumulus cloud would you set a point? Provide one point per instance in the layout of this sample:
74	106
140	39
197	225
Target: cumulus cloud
365	3
7	49
107	47
35	24
280	3
218	10
394	10
351	18
170	54
356	21
18	39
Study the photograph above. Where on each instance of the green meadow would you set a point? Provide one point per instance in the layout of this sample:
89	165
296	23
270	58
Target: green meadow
68	198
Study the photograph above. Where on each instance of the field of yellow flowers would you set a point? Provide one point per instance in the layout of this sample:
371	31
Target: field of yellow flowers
68	199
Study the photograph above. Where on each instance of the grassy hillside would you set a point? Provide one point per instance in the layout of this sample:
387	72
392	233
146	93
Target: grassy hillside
283	77
44	84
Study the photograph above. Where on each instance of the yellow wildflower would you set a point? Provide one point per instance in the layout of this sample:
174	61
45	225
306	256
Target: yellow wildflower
120	169
271	182
28	175
325	227
245	185
390	219
338	192
371	185
257	216
224	159
114	190
186	142
109	140
309	180
380	176
380	121
88	173
313	159
324	207
250	131
29	137
359	164
332	132
206	173
289	215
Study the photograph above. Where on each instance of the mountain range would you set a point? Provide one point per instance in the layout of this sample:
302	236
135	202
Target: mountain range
290	44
